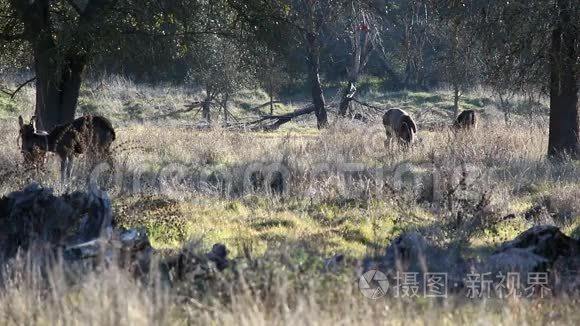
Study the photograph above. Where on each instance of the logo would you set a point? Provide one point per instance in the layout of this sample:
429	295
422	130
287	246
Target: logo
373	284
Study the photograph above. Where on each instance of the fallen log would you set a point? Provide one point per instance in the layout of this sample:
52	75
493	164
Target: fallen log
279	119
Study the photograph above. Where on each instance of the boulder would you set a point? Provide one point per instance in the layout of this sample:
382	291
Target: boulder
36	216
188	264
534	250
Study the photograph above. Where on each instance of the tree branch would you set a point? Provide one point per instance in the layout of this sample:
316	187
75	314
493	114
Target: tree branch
365	104
257	108
75	6
280	119
12	94
11	37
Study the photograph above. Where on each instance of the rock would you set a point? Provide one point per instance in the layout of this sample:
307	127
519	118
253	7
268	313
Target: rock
332	264
539	215
188	264
218	255
80	224
91	249
36	216
406	249
546	241
518	260
130	249
535	250
412	252
565	274
539	249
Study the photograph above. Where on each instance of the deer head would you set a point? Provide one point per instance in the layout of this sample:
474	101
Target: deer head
33	143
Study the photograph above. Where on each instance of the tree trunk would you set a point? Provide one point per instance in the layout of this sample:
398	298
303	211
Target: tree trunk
271	91
563	139
57	92
58	74
456	96
345	99
407	81
359	59
225	105
506	108
314	76
205	108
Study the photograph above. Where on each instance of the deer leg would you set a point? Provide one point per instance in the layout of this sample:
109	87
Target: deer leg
65	168
63	163
389	139
69	168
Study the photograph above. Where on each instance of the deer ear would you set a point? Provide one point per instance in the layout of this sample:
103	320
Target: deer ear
20	121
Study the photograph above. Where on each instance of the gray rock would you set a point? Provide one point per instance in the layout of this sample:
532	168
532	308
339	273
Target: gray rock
534	250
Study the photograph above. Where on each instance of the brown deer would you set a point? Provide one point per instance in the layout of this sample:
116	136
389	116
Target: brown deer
466	120
89	134
399	124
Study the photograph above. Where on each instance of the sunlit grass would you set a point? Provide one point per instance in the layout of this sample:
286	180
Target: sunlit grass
281	241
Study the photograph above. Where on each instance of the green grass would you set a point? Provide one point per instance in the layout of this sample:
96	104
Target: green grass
8	108
355	229
263	223
281	243
416	101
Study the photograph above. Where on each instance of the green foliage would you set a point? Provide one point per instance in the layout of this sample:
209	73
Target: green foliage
161	217
7	105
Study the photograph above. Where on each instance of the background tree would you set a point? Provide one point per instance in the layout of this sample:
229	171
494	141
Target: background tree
533	42
458	53
271	74
407	44
362	25
61	36
298	22
65	35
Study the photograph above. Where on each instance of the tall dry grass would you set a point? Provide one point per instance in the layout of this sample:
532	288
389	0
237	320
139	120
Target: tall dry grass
111	297
347	161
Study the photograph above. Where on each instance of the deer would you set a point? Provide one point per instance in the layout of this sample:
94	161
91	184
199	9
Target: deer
398	123
467	119
85	135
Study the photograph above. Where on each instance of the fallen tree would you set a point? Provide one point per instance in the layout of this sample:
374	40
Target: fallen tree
273	122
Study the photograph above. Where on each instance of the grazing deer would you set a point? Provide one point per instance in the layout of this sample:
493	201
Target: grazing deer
399	124
466	120
88	134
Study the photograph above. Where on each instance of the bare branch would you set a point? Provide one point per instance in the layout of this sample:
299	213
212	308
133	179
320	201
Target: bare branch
257	108
367	105
12	94
280	119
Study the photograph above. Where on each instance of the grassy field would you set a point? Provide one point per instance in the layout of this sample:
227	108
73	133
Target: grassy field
336	191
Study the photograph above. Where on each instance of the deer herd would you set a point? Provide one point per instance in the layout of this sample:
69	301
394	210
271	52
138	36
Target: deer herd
93	136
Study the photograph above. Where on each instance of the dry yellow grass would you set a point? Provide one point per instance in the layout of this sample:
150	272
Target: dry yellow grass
337	199
111	297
